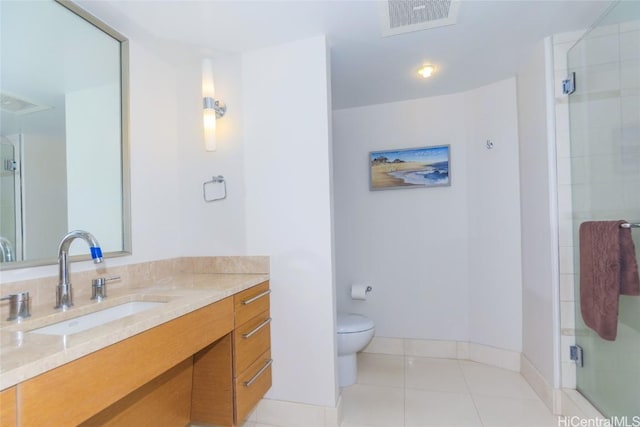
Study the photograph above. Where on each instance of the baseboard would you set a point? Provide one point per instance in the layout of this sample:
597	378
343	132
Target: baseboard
292	414
493	356
539	384
574	404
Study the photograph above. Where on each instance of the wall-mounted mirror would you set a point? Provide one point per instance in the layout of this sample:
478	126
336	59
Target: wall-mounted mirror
63	131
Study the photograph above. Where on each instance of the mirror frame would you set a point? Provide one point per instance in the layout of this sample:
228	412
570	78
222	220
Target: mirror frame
124	141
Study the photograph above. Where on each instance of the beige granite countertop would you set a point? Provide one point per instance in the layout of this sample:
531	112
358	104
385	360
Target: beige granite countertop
25	354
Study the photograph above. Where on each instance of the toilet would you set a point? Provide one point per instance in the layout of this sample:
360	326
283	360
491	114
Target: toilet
354	333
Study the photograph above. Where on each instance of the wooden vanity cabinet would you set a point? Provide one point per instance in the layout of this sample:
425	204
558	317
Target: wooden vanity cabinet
212	399
73	393
163	401
8	407
251	348
224	397
212	365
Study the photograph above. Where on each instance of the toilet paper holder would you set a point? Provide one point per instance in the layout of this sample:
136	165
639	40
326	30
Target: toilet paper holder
360	291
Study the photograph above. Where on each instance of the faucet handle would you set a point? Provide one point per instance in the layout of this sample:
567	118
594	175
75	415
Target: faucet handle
19	305
99	287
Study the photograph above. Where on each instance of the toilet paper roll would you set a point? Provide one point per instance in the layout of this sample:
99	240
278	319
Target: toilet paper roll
359	292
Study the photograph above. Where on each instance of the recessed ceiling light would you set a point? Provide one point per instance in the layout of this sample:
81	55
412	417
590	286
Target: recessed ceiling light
426	70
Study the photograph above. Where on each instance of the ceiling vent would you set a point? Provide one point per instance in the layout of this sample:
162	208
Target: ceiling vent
18	105
404	16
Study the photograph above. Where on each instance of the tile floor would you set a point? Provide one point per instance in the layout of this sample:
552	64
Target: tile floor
398	391
404	391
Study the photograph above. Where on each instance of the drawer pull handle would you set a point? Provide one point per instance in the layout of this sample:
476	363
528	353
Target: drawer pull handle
257	297
257	328
257	375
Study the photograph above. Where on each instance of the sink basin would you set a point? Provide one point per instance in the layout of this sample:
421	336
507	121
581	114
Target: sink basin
91	320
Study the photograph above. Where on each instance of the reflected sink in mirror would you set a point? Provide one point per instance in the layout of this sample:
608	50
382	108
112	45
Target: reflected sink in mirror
87	321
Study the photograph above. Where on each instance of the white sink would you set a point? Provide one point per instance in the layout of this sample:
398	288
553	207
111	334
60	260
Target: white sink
91	320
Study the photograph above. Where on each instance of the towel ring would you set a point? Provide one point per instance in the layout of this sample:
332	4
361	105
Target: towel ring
215	180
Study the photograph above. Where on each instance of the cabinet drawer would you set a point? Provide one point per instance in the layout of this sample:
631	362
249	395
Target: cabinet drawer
251	302
252	384
250	340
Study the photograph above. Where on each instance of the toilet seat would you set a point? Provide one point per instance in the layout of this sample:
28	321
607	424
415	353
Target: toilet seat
349	323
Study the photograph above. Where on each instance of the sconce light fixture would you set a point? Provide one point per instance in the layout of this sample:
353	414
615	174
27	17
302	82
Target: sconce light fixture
213	108
426	70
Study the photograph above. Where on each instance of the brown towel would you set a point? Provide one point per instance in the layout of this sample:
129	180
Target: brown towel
608	268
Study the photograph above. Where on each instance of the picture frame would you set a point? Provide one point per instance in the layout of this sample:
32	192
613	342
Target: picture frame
421	167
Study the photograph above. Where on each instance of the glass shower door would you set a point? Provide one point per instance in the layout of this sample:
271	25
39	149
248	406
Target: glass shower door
605	163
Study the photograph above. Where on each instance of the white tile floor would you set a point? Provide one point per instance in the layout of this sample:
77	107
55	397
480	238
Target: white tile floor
398	391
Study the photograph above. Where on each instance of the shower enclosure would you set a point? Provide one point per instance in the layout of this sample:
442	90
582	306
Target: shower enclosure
605	172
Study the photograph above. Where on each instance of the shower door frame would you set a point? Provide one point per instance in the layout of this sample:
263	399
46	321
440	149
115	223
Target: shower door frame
16	141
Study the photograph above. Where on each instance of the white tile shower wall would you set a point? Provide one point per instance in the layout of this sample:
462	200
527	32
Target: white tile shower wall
561	45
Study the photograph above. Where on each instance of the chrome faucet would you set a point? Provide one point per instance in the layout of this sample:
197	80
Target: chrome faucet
64	293
6	250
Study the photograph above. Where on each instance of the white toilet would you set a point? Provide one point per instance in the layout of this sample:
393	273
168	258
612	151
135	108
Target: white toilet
354	333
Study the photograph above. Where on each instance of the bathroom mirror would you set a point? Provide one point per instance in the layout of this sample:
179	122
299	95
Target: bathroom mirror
63	132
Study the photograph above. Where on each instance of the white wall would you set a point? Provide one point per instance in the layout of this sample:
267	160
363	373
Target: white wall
409	245
442	261
539	229
288	211
287	199
155	148
43	186
215	228
493	216
93	165
155	166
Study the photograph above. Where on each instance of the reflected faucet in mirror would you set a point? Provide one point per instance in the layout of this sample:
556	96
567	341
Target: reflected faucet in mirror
6	250
64	292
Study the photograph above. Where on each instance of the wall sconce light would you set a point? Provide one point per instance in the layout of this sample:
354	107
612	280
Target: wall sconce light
426	70
213	108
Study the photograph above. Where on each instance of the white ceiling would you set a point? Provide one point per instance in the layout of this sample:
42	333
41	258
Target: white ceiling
487	43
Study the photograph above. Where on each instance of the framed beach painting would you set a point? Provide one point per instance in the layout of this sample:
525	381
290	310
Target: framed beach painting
410	168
